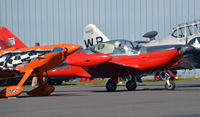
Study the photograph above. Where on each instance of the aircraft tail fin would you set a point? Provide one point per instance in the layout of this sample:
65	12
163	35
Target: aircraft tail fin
92	35
8	36
4	45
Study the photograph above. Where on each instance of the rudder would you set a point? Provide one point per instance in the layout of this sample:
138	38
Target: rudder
8	36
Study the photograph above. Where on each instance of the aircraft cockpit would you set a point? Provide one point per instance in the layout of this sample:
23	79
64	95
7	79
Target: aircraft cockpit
116	47
187	29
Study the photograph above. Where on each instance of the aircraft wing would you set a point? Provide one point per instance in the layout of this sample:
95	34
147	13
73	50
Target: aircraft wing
106	69
128	62
125	66
46	62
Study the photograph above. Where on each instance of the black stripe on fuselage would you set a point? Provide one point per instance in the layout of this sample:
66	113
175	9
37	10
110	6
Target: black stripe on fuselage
151	49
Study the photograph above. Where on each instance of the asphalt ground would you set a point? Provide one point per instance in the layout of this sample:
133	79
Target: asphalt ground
149	100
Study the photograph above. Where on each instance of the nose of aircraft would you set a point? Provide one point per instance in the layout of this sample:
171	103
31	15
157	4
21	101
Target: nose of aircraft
72	48
89	60
186	49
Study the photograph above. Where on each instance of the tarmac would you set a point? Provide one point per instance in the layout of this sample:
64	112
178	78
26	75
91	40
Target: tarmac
149	100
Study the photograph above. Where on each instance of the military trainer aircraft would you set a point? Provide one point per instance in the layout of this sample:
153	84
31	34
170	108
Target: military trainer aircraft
129	58
93	32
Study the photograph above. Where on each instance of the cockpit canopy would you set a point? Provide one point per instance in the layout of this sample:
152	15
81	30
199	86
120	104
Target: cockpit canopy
116	47
185	30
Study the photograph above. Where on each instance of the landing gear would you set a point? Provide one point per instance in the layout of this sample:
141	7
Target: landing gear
12	91
45	90
169	77
111	86
131	85
42	89
170	85
164	75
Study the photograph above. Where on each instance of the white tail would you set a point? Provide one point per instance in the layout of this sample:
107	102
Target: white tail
92	35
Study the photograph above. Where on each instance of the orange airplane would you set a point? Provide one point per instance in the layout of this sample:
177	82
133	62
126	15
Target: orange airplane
34	60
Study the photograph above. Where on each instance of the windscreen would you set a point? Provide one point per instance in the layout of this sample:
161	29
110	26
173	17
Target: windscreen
116	47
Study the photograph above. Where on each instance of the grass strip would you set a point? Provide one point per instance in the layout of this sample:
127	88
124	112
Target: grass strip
98	82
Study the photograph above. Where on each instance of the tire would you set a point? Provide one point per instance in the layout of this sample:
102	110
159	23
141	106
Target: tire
171	87
111	86
131	85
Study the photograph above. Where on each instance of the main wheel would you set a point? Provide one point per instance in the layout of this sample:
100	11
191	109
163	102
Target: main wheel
171	86
131	85
111	86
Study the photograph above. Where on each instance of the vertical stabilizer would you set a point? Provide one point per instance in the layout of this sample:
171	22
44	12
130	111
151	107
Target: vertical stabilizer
8	36
92	35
